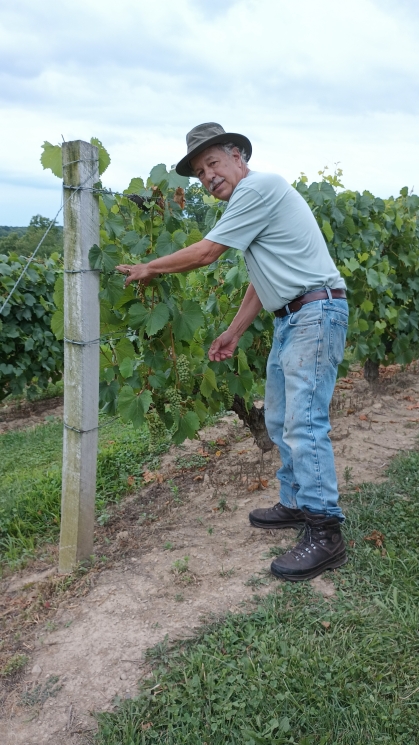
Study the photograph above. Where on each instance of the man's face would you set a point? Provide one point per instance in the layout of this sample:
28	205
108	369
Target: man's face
219	172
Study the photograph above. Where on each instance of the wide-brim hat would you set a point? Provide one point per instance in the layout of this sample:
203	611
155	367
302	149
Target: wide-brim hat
205	135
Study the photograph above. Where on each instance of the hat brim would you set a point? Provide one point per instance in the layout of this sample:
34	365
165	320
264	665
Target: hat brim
183	168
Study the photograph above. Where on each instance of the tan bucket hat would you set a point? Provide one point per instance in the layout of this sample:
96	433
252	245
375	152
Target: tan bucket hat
205	135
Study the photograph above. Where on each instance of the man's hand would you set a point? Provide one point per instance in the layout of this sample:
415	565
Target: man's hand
223	347
136	273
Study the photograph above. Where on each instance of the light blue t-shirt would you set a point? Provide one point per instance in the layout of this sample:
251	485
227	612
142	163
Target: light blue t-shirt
283	247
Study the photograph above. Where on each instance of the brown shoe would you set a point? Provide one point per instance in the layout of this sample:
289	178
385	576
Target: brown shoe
277	517
321	547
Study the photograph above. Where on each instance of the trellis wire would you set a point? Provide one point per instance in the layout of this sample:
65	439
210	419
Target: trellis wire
31	258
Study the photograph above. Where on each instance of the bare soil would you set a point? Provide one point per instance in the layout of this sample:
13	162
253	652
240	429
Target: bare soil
21	414
86	635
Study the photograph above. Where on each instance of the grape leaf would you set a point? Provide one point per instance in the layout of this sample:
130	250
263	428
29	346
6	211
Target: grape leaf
59	292
105	258
57	324
126	368
175	180
158	318
187	427
113	289
124	349
187	320
104	157
136	186
158	174
138	315
52	158
132	407
209	383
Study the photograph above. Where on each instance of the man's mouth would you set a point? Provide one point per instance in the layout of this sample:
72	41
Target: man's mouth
215	184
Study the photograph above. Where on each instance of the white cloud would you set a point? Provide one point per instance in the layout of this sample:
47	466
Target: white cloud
308	82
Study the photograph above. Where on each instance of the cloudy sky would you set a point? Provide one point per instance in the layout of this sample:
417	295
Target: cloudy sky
311	83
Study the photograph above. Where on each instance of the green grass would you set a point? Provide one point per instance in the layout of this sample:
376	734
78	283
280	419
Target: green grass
301	669
30	477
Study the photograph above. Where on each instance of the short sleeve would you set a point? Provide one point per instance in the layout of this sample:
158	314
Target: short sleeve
245	218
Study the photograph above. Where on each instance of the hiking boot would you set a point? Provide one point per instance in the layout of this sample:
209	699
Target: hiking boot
277	517
321	547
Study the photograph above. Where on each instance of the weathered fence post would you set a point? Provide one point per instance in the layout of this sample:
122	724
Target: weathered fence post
81	356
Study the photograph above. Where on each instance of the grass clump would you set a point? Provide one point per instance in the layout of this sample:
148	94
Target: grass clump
15	663
302	670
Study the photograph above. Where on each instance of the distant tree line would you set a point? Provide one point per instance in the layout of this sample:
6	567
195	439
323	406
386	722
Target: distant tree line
23	241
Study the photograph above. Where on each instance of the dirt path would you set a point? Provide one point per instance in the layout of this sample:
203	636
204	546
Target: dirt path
92	647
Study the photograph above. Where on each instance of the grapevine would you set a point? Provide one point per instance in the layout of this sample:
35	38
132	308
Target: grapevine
162	363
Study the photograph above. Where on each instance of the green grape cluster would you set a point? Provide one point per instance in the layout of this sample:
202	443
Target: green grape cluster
156	429
228	397
265	335
183	369
175	400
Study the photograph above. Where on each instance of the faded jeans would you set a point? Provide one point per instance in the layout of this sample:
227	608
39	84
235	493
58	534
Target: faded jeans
301	373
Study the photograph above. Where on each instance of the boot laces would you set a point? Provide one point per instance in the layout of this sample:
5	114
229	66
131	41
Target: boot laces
306	545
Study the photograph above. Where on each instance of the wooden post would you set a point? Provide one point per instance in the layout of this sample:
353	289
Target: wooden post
81	360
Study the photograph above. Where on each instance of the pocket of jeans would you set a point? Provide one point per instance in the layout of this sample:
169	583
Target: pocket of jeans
309	314
337	339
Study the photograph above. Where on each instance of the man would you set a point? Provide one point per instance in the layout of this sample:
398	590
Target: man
293	276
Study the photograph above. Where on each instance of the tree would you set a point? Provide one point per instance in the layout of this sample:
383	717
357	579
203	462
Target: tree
195	208
26	243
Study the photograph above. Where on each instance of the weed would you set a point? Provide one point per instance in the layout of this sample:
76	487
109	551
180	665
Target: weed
168	546
179	597
227	572
173	487
103	518
13	664
273	551
347	476
210	531
187	462
39	693
51	626
181	566
263	578
222	505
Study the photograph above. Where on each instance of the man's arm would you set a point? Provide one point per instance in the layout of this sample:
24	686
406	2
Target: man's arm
198	254
224	346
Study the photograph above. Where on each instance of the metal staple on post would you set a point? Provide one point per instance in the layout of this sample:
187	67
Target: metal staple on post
81	354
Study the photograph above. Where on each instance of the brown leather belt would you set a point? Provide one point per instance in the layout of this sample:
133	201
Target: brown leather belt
295	305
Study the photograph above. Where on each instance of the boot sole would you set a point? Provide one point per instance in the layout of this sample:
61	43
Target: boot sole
277	525
338	562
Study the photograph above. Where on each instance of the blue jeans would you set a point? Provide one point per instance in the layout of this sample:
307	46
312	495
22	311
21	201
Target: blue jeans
301	374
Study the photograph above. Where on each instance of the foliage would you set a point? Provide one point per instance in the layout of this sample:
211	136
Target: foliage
154	363
51	157
24	241
31	356
375	245
195	208
5	230
301	669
